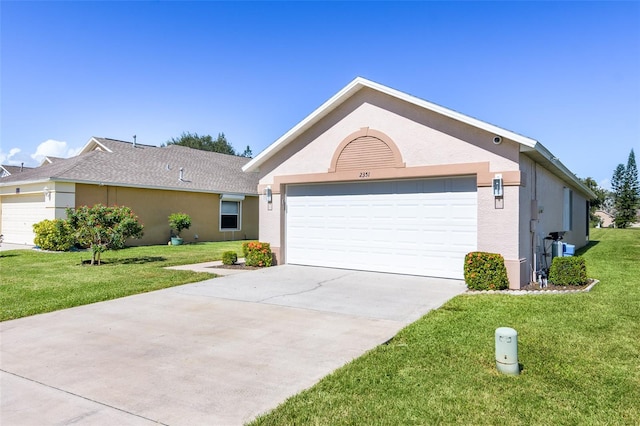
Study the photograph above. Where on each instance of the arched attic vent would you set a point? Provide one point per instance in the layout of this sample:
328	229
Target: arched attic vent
364	150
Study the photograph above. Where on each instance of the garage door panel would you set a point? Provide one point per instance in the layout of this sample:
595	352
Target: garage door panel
19	213
422	227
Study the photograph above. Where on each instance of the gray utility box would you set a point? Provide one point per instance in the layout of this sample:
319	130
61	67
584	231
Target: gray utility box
507	351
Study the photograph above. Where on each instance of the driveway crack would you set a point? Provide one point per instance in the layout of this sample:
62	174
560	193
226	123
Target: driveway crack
295	293
83	397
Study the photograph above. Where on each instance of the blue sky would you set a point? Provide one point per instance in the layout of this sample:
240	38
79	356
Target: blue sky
564	73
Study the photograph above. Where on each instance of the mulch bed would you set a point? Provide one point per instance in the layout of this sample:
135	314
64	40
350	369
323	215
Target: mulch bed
534	288
550	287
237	266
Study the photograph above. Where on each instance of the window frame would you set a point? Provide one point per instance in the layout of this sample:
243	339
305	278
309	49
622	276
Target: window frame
239	215
567	209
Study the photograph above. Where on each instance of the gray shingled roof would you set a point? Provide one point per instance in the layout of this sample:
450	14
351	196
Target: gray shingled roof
15	169
149	167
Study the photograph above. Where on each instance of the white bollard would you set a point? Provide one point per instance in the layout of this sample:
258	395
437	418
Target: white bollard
507	351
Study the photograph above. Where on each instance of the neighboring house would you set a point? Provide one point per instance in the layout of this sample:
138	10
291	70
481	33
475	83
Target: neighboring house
6	170
49	160
376	179
606	219
154	181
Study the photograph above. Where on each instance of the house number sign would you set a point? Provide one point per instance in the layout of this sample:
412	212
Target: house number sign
364	175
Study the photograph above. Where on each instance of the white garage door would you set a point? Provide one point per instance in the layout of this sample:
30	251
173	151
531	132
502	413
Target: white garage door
19	213
417	227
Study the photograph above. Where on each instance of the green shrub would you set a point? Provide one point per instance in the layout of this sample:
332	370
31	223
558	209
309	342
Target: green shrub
103	228
485	271
568	271
229	258
179	221
245	249
257	254
55	235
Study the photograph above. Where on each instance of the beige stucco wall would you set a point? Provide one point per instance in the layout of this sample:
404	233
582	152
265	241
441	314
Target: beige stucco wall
542	206
154	206
605	218
431	145
62	196
424	138
498	228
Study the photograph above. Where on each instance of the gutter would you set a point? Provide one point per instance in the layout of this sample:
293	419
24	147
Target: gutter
125	185
556	167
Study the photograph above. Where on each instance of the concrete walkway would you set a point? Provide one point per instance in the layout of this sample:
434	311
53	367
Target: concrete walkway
11	246
217	352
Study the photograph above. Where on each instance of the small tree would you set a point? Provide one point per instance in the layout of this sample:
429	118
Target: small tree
626	192
596	203
204	142
179	222
103	228
247	152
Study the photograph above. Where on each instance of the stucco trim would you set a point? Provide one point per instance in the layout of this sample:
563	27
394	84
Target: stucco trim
480	169
396	156
509	178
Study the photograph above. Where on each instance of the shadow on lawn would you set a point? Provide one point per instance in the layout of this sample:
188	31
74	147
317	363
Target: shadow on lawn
589	246
139	260
128	261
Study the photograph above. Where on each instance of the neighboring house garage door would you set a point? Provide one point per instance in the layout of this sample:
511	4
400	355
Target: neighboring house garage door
417	227
19	213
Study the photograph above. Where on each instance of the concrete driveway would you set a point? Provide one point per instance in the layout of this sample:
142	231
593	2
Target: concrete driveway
218	352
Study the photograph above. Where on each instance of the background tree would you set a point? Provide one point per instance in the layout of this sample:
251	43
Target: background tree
247	152
598	203
204	143
626	192
103	228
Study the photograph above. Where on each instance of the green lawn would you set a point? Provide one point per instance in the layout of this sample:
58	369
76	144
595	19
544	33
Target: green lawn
34	282
580	355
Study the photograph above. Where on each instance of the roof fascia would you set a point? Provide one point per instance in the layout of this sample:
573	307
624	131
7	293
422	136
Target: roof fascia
526	144
124	185
306	123
353	87
559	169
164	188
25	182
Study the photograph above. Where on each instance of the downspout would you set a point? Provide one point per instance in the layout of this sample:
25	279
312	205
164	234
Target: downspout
534	276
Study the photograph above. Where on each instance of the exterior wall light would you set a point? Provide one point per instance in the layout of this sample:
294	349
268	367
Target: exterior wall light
268	194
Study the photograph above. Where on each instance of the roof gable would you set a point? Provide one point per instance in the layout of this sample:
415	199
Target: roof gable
528	146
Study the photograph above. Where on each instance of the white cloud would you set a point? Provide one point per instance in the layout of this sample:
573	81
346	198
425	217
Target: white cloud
605	184
11	158
50	148
54	148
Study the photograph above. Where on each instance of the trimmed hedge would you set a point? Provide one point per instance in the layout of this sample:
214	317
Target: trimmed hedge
257	253
485	271
54	235
229	258
568	271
